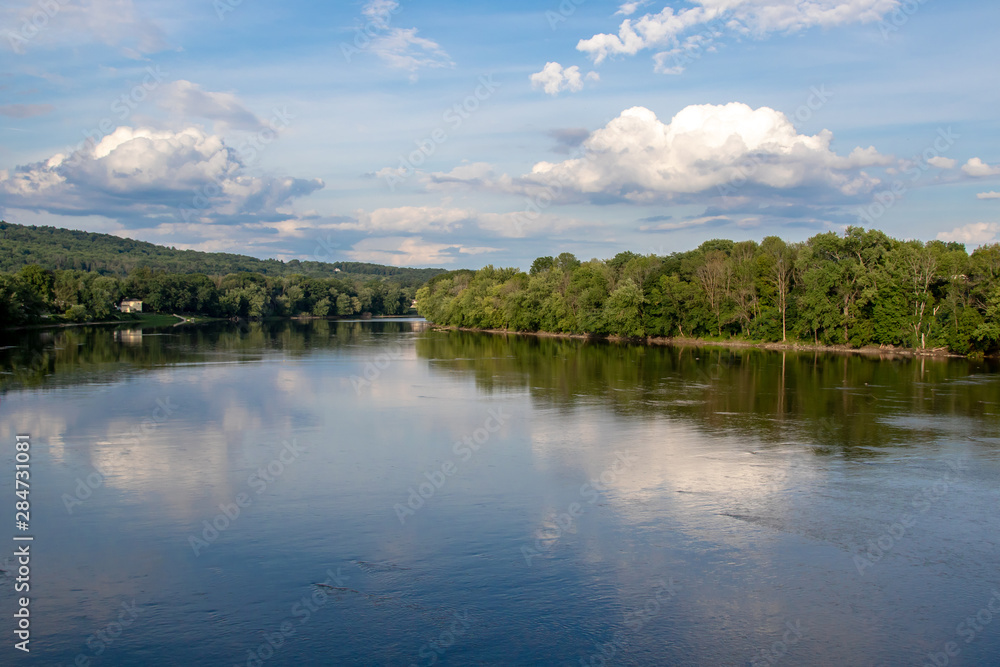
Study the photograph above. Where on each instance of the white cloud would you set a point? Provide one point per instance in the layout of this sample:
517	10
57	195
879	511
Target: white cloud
187	100
141	173
979	233
651	30
988	195
942	162
977	168
553	79
758	17
629	8
400	48
411	251
675	60
380	11
705	147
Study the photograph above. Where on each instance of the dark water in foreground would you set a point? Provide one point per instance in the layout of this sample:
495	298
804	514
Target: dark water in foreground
582	503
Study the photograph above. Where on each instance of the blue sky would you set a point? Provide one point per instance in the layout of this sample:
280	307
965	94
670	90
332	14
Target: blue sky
463	134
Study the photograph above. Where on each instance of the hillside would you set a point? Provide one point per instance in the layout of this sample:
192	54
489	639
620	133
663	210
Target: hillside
106	254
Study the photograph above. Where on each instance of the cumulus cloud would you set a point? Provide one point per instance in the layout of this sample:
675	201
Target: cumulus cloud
758	17
25	110
704	148
988	195
188	100
978	169
140	175
553	79
978	233
411	251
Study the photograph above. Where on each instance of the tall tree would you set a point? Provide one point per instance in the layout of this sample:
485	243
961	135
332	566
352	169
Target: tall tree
714	276
782	266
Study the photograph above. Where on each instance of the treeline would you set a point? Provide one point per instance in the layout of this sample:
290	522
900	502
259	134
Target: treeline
862	288
106	254
35	294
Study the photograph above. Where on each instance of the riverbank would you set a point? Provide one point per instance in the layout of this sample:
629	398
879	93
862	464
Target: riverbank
144	319
684	341
164	319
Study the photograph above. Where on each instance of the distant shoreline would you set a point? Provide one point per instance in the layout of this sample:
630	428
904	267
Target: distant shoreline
684	341
159	320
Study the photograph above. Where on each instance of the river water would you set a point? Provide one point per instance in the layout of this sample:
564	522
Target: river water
379	493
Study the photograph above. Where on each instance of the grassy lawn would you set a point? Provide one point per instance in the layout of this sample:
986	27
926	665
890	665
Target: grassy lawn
154	319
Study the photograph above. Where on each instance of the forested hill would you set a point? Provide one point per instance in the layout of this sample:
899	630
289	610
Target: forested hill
53	248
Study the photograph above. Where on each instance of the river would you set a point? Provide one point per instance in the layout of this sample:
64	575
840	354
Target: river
380	493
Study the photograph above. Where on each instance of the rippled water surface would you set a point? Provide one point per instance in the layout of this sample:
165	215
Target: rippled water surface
378	493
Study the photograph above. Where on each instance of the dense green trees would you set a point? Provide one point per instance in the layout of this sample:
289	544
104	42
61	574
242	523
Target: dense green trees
33	294
862	288
81	276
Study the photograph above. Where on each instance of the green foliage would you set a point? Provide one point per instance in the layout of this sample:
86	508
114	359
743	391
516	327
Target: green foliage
989	331
859	289
50	248
37	294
